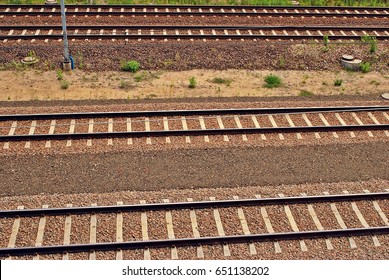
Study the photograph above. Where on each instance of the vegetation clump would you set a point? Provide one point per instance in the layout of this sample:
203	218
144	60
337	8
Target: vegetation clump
365	67
130	65
272	81
192	82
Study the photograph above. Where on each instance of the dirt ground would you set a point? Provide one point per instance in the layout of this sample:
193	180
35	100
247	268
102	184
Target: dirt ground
25	85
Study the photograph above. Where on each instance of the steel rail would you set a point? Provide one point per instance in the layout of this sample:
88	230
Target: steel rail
195	27
191	132
72	248
174	6
192	205
182	13
200	112
187	36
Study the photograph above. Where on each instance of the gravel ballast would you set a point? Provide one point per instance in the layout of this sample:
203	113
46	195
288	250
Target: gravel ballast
191	168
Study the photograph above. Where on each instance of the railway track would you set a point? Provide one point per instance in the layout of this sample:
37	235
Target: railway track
147	124
187	10
264	211
47	33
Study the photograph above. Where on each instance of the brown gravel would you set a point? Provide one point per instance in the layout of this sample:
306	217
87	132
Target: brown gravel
184	55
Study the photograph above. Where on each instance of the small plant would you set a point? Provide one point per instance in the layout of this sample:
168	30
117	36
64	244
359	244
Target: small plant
192	82
131	65
64	84
126	85
305	93
272	81
325	40
141	76
80	59
59	75
219	80
282	62
338	82
365	67
372	41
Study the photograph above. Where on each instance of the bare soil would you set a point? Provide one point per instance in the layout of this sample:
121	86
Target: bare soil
27	85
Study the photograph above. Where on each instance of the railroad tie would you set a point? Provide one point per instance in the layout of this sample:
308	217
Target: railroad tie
14	232
324	120
220	229
239	125
293	223
379	210
362	220
129	140
51	131
10	133
41	230
31	132
166	128
90	130
256	123
195	229
221	125
170	231
291	123
269	226
245	227
370	114
274	124
72	127
119	231
342	122
361	123
145	234
317	222
110	129
185	127
92	233
67	232
203	127
340	221
147	128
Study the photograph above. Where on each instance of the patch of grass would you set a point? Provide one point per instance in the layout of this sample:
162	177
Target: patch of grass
365	67
64	84
141	76
338	82
372	41
80	59
192	82
282	63
219	80
374	82
272	81
325	40
59	75
305	93
151	96
130	65
126	85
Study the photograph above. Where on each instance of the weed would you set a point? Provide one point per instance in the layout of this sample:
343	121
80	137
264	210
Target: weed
374	82
281	62
59	74
365	67
80	59
151	96
338	82
272	81
131	65
64	84
126	85
219	80
141	76
372	41
325	40
304	92
192	82
9	98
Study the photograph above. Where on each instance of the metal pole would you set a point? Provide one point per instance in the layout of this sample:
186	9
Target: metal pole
65	35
